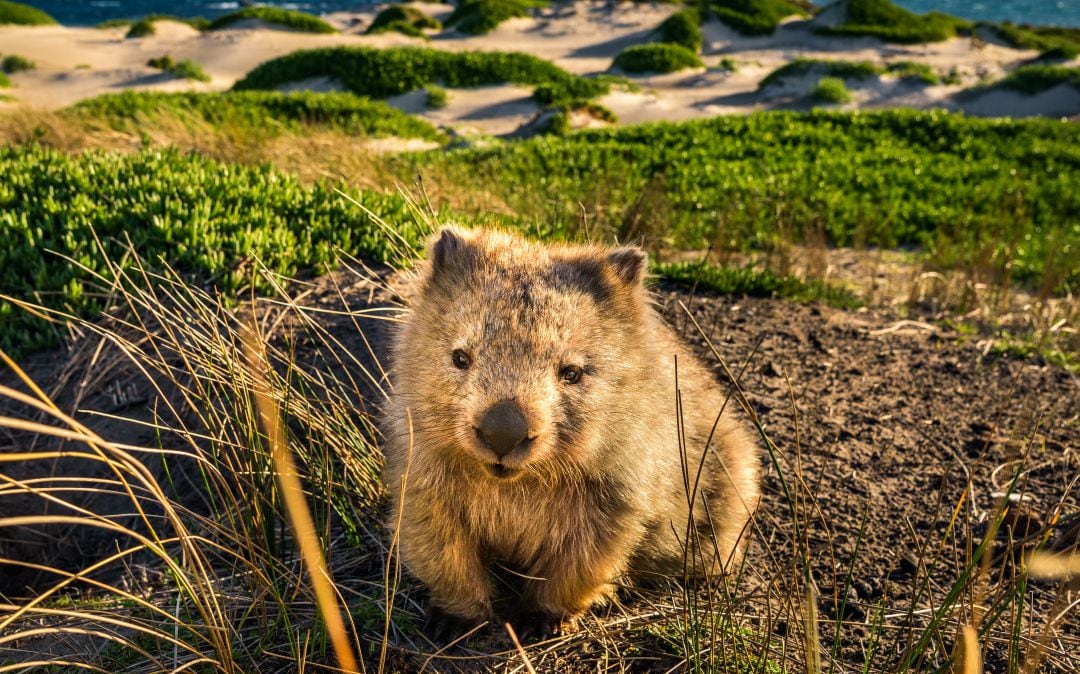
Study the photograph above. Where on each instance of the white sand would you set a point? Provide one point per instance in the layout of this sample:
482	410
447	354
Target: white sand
582	37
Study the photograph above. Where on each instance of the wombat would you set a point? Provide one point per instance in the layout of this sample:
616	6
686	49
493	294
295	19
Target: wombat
533	424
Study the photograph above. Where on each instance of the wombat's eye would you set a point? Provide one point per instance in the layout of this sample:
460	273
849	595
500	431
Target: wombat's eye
462	360
571	374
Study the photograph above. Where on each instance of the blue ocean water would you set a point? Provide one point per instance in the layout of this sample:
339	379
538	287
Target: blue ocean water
89	12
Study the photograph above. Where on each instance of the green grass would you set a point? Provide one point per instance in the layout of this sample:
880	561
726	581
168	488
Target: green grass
380	73
265	110
729	280
5	81
16	13
141	28
1033	79
755	17
477	17
189	70
199	216
406	20
1053	41
16	64
964	190
682	28
831	90
891	23
913	70
656	58
845	70
289	18
436	97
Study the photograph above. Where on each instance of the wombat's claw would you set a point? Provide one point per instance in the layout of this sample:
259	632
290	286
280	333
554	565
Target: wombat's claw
536	625
445	628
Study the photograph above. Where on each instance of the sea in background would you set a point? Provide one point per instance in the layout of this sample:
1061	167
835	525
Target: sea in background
90	12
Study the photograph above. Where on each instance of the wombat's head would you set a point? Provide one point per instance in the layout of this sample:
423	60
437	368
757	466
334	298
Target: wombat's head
515	357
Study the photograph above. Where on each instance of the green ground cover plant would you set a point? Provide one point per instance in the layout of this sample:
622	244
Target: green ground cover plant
892	23
1054	41
845	70
1033	79
186	69
16	13
962	189
732	280
755	17
831	90
436	97
656	57
344	112
380	73
289	18
406	20
5	81
200	217
913	70
682	28
13	63
477	17
141	28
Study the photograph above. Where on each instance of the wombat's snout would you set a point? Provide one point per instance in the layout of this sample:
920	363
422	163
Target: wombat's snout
503	428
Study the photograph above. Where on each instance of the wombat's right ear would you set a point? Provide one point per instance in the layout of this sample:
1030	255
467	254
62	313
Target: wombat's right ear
447	248
629	264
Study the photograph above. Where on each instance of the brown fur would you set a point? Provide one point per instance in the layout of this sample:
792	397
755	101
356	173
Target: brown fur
600	492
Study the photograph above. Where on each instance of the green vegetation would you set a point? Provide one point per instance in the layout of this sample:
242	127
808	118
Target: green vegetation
16	13
198	216
755	17
755	283
960	188
885	20
477	17
380	73
141	28
186	69
256	110
406	20
729	64
197	22
656	58
845	70
682	28
437	98
5	82
1052	41
1032	79
16	64
831	90
288	18
913	70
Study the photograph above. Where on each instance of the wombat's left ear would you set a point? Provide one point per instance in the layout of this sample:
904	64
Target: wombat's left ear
447	246
629	264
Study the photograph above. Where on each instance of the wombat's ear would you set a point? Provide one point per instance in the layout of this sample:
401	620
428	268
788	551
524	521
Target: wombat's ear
447	247
629	264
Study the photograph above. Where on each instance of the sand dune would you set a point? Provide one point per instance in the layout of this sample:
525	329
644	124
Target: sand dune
583	38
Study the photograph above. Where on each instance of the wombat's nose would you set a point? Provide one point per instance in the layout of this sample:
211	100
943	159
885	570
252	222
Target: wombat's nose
503	427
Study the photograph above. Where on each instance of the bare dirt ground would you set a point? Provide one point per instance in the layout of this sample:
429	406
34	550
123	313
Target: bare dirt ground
898	445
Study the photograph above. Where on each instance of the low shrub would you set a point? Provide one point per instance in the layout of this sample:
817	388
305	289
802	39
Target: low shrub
380	73
682	28
831	90
289	18
1033	79
16	13
436	97
141	28
656	58
913	70
755	17
16	64
5	82
754	283
260	110
885	20
845	70
406	20
162	62
1052	41
186	69
477	17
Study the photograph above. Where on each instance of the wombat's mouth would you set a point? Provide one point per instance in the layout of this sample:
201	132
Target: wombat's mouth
504	472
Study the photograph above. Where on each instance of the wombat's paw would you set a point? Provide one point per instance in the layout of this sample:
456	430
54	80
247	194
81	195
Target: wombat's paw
536	625
446	628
